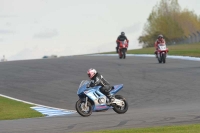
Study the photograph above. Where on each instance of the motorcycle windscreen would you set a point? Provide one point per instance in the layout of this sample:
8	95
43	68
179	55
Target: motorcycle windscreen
116	88
82	89
82	86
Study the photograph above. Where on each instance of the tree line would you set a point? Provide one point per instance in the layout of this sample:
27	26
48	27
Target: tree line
167	18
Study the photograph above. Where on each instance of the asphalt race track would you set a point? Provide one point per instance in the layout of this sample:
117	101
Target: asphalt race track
158	94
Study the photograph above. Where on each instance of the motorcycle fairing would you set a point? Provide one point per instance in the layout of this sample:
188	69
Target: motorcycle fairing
162	48
82	89
95	95
116	89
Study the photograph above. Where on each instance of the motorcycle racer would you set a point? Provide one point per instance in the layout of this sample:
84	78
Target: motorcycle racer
159	40
98	80
121	37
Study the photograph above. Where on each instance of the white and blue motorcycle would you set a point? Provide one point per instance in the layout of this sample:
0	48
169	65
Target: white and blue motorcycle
92	100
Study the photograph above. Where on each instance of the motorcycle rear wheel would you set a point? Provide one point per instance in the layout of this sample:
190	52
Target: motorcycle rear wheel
80	108
118	109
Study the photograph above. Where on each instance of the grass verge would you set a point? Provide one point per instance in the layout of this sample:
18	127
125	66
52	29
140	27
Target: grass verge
11	109
192	50
195	128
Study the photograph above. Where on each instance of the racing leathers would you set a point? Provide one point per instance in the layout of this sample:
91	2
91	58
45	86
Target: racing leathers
98	80
158	41
120	38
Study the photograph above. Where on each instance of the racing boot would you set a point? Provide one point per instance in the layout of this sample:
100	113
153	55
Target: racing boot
111	98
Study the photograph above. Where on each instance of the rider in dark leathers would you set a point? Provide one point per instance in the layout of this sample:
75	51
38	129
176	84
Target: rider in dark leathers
121	37
98	80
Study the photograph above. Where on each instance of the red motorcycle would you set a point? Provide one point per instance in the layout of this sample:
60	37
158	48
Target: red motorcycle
123	45
162	53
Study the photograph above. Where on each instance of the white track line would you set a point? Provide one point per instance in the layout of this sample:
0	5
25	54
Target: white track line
51	111
150	55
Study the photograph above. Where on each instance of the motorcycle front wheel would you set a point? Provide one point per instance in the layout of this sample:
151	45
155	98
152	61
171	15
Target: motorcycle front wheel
124	53
164	58
159	59
82	109
120	54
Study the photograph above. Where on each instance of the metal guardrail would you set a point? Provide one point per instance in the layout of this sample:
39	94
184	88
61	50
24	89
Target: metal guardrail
192	38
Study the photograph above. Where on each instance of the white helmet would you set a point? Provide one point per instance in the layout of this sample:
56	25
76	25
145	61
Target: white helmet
91	73
160	36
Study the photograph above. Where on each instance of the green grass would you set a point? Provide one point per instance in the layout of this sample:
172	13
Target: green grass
195	128
11	109
183	50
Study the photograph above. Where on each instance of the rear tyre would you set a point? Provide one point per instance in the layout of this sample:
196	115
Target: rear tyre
119	109
82	110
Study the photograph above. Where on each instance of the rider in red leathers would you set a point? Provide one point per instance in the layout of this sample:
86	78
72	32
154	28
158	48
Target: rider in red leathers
160	40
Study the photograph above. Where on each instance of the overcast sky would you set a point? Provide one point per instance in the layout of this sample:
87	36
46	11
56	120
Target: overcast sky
30	29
